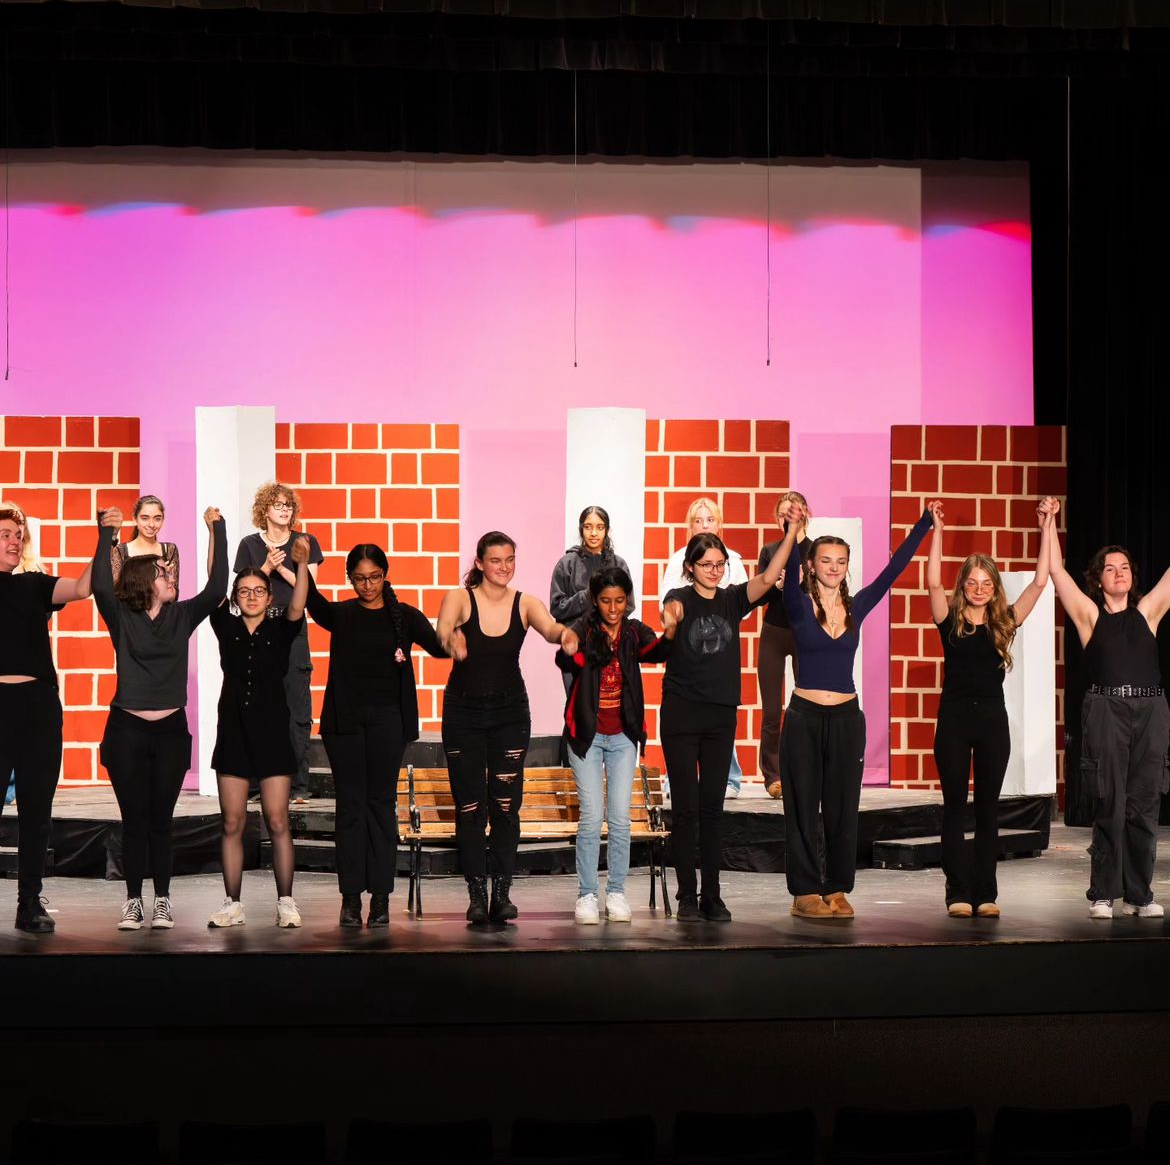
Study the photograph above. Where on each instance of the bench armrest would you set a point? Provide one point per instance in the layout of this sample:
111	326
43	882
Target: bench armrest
415	816
653	811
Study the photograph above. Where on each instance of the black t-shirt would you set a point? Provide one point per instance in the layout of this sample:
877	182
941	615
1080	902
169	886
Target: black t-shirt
26	600
972	668
704	665
253	551
375	672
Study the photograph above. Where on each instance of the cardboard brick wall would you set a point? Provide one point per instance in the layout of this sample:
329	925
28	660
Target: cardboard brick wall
744	466
397	486
989	478
61	470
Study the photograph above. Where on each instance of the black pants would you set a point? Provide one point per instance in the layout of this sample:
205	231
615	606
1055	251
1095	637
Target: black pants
1124	765
697	740
30	748
297	692
822	757
147	761
971	736
486	740
365	767
777	645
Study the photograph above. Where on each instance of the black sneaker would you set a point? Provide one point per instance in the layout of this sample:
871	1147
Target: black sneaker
688	908
32	917
351	910
379	910
477	908
713	910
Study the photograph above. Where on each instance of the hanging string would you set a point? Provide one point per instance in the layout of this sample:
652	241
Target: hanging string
768	190
574	218
7	177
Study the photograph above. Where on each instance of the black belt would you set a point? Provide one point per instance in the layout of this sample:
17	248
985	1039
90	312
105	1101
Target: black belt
1126	691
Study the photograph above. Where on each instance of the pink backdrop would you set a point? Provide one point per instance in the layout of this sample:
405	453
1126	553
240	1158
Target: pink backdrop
390	290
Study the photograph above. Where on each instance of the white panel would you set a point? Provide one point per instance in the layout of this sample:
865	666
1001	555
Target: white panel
850	530
1030	693
605	465
235	451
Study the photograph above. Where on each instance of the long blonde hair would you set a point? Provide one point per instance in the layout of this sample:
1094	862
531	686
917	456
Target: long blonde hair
29	563
1001	623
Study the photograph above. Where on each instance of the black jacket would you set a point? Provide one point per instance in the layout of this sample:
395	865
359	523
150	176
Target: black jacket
638	645
568	596
341	696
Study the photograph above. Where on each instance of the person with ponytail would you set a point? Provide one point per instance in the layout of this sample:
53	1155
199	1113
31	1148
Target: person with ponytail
369	716
605	723
252	742
977	626
822	743
486	720
149	514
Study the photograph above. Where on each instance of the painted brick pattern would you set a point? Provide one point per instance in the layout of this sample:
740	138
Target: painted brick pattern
989	478
60	470
397	486
744	466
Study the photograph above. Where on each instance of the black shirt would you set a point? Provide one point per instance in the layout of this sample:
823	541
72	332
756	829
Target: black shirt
254	663
775	613
26	601
1123	651
253	551
704	665
375	671
972	668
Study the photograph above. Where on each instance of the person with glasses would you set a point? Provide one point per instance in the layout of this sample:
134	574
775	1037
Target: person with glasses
252	743
149	514
977	626
146	746
700	702
276	509
369	716
822	743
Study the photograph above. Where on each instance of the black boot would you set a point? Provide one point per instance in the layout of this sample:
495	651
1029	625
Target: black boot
31	916
379	910
503	908
477	910
351	910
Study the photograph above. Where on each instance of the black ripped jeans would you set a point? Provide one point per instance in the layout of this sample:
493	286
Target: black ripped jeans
486	740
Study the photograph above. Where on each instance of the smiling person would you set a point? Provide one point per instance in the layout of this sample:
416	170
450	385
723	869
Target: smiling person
605	718
700	702
369	716
30	707
275	510
252	742
486	721
977	626
1125	723
822	743
146	747
149	514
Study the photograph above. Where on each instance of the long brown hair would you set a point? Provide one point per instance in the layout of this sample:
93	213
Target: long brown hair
812	587
1001	623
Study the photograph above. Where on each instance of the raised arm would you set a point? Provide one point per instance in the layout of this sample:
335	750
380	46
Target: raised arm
1030	595
1156	601
869	596
296	604
934	584
100	570
1077	605
536	615
318	605
764	580
565	603
215	588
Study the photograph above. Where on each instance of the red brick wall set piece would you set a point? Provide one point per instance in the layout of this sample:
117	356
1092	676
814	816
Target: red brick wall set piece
744	466
397	486
60	471
989	478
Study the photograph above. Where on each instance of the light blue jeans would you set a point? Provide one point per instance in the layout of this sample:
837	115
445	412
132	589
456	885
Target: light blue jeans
735	775
618	757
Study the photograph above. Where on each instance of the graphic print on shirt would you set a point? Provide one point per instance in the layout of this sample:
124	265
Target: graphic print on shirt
708	634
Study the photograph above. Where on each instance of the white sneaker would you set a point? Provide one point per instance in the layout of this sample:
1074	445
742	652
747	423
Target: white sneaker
732	793
132	916
586	912
1150	910
617	907
231	913
287	913
1102	908
163	915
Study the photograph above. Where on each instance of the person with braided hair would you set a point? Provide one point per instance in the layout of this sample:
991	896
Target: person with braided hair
369	716
822	743
605	722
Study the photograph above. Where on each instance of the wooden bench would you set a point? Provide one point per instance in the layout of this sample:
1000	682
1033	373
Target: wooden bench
549	812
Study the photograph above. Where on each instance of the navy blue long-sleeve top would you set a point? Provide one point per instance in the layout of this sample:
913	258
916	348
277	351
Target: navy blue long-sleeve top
826	664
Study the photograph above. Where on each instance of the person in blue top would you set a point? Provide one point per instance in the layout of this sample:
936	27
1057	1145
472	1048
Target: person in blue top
822	743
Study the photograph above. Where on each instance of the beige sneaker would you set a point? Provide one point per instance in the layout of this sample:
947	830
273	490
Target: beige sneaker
287	913
231	913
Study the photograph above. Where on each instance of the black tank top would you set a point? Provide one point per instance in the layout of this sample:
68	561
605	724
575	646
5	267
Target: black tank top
1122	650
492	666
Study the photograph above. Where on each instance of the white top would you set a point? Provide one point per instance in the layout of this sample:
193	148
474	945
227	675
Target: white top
673	577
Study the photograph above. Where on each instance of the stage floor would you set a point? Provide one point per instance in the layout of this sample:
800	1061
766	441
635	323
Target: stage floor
901	956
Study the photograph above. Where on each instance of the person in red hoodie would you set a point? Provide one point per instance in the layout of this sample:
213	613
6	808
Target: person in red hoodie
605	723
